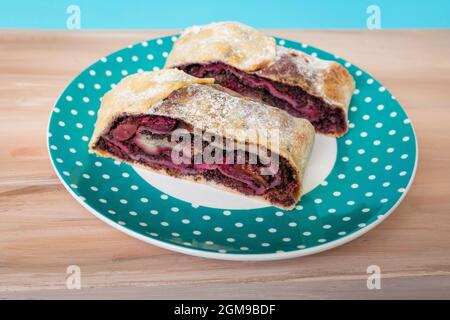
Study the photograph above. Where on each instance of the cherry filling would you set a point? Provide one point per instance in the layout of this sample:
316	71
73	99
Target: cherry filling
147	140
324	117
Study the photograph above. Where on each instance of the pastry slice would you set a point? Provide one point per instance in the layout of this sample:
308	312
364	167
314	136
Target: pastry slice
250	63
142	120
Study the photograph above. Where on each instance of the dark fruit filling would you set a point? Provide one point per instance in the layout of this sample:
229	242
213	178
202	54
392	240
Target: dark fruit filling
324	117
146	140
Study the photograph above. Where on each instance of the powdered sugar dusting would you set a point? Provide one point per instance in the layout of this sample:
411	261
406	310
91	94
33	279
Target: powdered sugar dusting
310	67
154	85
136	93
217	112
231	42
295	67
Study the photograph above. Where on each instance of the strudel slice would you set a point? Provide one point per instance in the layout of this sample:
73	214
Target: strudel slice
250	63
190	128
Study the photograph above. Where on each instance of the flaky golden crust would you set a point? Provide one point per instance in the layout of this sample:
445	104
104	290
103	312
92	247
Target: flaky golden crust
230	42
327	80
213	110
136	93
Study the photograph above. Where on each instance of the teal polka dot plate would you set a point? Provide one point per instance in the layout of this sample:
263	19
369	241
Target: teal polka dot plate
351	184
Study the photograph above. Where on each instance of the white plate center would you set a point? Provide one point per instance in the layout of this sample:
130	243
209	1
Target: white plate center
320	164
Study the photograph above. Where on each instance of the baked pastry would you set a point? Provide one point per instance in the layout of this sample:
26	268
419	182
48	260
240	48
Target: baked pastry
250	63
139	122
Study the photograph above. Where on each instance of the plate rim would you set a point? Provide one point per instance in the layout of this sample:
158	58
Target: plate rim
233	256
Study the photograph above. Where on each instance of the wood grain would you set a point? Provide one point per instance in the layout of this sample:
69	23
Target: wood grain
43	229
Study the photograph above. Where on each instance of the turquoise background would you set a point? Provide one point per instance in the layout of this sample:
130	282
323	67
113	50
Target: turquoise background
171	14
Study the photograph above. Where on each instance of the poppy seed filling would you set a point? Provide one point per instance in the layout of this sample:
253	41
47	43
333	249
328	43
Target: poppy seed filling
293	99
147	140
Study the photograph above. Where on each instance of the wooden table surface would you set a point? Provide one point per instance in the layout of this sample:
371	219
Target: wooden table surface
43	229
